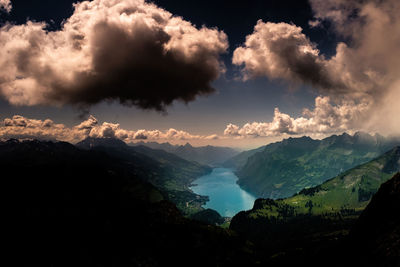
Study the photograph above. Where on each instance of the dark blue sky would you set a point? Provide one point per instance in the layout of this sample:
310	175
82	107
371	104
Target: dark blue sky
235	101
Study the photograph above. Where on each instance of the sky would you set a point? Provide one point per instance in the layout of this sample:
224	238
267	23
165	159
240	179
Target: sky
228	73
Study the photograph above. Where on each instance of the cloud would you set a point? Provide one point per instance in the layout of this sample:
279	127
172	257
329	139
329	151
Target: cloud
22	127
5	5
365	70
281	50
325	118
128	51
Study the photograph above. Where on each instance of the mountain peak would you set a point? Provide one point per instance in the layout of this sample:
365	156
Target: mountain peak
91	142
362	134
188	145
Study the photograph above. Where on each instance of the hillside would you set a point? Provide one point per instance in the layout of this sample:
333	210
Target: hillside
168	172
238	161
78	207
337	200
285	168
311	226
207	155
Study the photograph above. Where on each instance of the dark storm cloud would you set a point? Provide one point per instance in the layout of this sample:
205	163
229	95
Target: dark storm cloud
129	51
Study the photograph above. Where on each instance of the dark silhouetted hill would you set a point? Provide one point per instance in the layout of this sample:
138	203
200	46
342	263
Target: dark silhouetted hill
76	207
164	170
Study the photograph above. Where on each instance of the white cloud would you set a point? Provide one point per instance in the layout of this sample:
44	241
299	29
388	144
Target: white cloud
325	118
21	127
6	5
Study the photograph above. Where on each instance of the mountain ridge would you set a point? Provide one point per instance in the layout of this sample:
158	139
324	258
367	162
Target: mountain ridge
338	199
286	167
207	155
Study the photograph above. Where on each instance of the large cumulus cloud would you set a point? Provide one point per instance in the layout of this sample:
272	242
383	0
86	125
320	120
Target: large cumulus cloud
281	50
365	70
125	50
21	127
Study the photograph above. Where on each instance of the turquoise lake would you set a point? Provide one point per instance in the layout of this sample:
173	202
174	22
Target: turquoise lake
225	195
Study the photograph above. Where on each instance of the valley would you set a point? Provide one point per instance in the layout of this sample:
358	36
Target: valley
213	133
143	194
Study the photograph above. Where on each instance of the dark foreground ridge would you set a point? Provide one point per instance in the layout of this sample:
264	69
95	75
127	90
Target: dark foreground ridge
87	208
377	232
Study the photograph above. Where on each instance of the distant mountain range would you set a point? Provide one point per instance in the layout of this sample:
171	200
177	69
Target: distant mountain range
284	168
208	155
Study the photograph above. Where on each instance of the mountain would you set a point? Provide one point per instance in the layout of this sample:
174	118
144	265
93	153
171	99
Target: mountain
208	216
207	155
284	168
337	200
85	207
238	161
310	227
154	145
91	142
164	170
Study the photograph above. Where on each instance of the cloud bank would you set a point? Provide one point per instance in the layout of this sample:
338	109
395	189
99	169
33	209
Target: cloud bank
365	72
20	127
325	118
129	51
5	5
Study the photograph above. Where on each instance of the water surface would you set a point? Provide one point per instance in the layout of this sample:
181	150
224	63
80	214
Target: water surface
225	195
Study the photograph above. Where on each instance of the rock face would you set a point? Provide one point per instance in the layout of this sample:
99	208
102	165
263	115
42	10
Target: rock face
377	231
284	168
